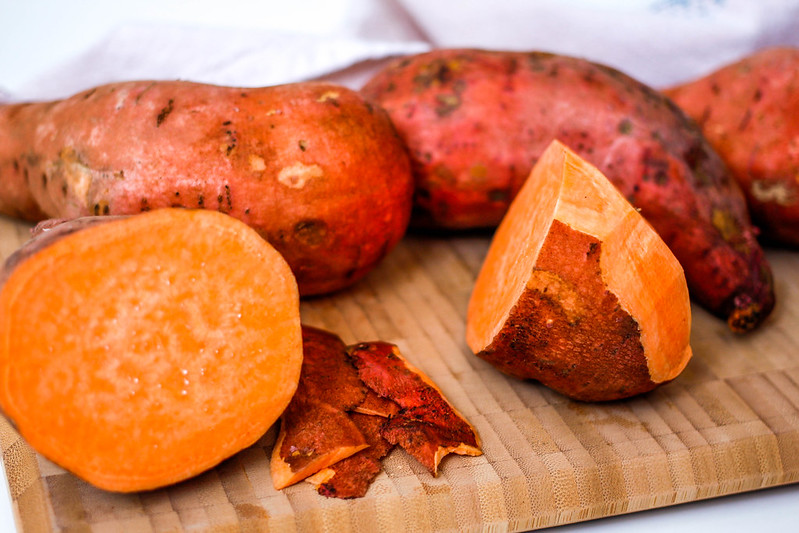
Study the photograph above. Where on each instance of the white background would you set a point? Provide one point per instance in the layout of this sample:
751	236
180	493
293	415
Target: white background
53	48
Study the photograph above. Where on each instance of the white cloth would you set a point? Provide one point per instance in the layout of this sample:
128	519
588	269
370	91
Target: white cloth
267	42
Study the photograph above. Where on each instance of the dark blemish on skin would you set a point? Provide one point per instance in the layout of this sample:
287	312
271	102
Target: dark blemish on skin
247	211
447	103
303	145
16	166
227	198
498	195
311	232
227	123
89	94
200	200
44	179
144	205
164	113
106	209
745	120
625	126
64	189
244	95
758	95
232	142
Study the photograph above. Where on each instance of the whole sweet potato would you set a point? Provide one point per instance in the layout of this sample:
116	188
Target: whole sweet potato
476	121
313	167
749	111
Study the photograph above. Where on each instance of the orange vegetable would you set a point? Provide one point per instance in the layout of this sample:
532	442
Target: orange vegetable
142	351
578	291
749	111
317	170
476	121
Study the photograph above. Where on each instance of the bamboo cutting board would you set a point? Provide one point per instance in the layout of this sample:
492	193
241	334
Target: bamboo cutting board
729	423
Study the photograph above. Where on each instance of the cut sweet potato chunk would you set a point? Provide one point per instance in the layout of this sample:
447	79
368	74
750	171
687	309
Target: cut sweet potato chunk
428	427
142	351
577	290
351	477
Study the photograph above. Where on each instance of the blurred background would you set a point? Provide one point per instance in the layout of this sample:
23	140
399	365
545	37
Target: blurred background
52	49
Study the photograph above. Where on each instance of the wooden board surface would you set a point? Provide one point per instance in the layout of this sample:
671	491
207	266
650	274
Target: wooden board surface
729	423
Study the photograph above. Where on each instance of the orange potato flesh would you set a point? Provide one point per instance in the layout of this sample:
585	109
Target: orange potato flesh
143	351
566	195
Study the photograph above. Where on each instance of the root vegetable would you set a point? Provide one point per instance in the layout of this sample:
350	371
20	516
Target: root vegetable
313	167
749	111
578	291
141	351
476	121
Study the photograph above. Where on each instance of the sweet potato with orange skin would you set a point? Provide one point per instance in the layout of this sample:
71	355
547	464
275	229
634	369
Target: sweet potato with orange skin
749	111
141	351
313	167
577	290
476	121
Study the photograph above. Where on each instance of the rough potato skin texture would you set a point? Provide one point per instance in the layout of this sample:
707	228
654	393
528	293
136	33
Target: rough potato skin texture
749	111
476	121
590	348
313	167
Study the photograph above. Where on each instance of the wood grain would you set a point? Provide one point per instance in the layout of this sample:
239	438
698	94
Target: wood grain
729	423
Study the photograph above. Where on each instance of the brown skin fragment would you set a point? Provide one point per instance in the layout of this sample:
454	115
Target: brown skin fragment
316	431
373	404
351	477
327	373
749	111
470	162
590	348
333	209
313	435
427	426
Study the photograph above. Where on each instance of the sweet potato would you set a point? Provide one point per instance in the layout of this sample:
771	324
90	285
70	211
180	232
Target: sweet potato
749	111
578	291
313	167
476	121
139	352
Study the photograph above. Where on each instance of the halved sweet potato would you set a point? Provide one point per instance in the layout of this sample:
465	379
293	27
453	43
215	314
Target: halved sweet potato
144	350
578	291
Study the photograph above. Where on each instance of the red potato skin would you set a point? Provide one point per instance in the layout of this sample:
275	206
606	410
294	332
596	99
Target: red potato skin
316	169
475	122
749	112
